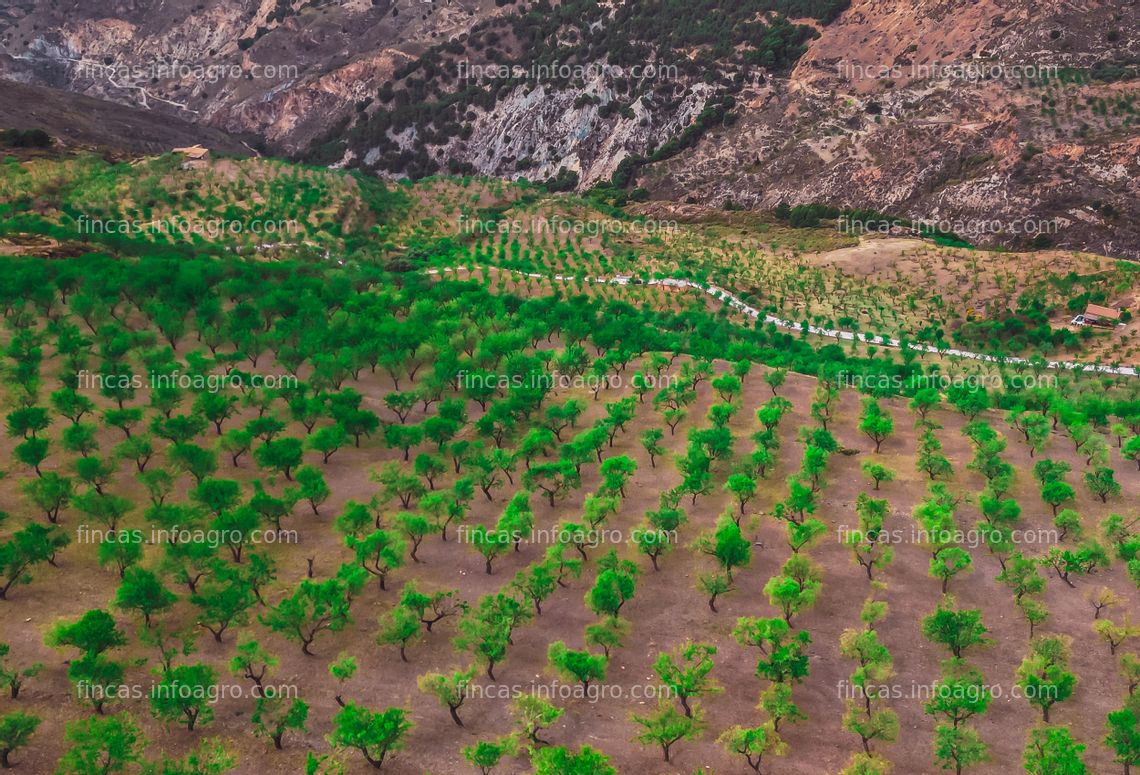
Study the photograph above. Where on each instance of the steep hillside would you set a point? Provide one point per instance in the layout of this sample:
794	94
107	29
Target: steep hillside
85	122
1011	121
969	116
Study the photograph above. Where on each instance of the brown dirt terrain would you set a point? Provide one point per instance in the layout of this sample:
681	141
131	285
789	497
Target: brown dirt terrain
666	610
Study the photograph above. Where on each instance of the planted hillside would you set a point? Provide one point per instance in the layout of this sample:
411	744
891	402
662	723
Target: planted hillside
438	498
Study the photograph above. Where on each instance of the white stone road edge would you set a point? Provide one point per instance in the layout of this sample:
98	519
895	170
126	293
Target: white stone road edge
737	304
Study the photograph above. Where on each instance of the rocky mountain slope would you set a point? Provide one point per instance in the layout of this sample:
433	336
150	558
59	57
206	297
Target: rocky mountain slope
1004	120
749	102
79	121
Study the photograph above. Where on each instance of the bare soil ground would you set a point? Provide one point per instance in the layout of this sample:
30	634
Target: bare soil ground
666	610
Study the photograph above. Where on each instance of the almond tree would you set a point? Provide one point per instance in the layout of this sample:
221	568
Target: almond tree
449	689
1052	751
531	714
875	666
16	730
486	754
877	424
956	629
115	742
581	666
956	748
399	627
1124	737
666	727
870	551
13	677
375	734
31	545
753	743
1043	675
143	591
686	672
184	695
272	717
253	662
314	606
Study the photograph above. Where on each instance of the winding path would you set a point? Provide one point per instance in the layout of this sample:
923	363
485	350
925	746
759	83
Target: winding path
736	303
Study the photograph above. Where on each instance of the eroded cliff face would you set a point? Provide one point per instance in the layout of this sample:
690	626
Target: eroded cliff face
921	108
286	70
938	111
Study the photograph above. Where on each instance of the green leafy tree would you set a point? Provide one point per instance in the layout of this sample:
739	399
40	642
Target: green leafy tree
51	493
686	673
32	452
400	627
531	715
956	748
784	656
314	606
184	695
449	689
666	726
273	716
608	634
14	677
280	455
948	562
16	730
867	543
224	599
143	592
379	553
651	441
775	379
1043	675
1124	737
1102	483
311	488
581	666
727	545
537	582
875	423
557	760
93	633
753	743
484	631
101	746
613	588
960	695
796	588
375	734
31	545
486	754
253	662
343	668
877	472
414	528
491	543
1085	559
1052	751
776	701
956	629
